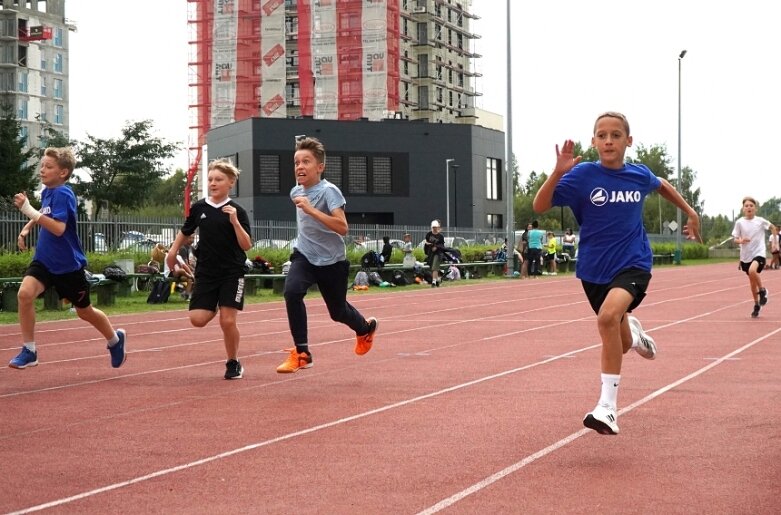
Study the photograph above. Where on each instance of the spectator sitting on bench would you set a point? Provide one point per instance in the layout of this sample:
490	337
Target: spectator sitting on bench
387	251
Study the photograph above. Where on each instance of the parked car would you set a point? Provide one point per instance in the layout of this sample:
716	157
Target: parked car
267	243
450	241
99	242
130	238
376	245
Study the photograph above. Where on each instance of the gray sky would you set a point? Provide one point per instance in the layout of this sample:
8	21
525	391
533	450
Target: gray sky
572	60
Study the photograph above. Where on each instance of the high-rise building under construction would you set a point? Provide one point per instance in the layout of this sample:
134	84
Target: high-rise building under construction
330	59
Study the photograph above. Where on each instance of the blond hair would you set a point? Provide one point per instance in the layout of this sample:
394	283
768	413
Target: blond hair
63	157
225	166
613	114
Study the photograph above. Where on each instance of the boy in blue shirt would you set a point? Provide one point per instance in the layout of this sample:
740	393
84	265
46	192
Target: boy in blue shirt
59	260
319	257
615	257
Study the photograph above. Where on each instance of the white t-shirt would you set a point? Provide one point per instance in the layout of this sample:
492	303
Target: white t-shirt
774	241
754	229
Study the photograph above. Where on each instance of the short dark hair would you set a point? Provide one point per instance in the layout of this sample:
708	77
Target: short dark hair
314	146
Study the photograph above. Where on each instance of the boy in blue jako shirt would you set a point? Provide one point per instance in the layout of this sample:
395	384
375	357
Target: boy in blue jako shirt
59	260
615	257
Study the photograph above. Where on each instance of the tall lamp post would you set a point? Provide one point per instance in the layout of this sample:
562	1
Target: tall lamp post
455	195
678	249
447	192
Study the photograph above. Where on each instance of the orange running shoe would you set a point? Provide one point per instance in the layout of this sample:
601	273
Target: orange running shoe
295	361
363	343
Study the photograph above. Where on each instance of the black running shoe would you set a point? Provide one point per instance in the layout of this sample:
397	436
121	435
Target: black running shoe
762	297
233	369
755	313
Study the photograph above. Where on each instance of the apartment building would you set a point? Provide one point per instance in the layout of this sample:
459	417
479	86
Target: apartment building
34	65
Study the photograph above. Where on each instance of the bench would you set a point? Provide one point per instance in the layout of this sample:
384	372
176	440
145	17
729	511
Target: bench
105	291
254	281
664	259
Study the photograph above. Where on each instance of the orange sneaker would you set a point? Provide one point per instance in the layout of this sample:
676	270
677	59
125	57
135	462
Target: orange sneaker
295	361
363	343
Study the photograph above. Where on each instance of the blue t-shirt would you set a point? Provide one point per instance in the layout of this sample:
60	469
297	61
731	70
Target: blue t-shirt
320	245
608	205
60	254
536	239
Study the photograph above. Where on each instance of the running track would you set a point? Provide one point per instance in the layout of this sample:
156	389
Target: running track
470	402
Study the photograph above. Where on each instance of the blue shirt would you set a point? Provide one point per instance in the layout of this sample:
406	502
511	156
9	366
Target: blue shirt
60	254
536	239
608	205
320	245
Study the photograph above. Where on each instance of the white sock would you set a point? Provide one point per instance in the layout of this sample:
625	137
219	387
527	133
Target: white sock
29	346
609	396
114	340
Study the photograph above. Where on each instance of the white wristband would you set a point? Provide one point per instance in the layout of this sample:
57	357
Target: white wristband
29	211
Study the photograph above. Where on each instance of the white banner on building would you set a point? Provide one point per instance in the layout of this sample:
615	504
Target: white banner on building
374	37
273	72
223	81
324	59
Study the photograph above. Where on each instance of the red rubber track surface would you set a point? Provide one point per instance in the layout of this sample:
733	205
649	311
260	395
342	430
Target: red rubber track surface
471	401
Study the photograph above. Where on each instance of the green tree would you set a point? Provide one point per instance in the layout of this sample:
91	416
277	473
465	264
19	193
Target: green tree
121	170
17	165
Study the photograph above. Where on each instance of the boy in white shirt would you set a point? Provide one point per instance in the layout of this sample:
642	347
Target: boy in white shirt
749	233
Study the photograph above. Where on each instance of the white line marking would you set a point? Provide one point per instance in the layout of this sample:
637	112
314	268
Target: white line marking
445	503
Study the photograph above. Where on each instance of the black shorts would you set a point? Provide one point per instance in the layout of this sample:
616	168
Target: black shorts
72	286
633	280
208	293
745	266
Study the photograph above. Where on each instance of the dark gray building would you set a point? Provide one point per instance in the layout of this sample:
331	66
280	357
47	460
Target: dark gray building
392	172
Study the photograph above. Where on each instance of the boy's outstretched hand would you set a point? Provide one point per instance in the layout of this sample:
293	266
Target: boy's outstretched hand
692	229
564	158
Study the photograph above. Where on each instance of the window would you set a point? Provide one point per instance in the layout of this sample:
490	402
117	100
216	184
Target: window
23	82
58	32
492	179
24	132
23	110
357	174
44	62
58	63
43	86
494	221
423	65
57	88
333	170
59	115
269	173
423	97
382	178
422	33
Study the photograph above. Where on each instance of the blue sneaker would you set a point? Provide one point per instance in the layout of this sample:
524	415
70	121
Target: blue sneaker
24	359
118	355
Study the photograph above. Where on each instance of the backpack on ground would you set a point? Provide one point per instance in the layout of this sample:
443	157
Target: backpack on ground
399	279
160	292
262	266
370	260
361	279
375	279
115	273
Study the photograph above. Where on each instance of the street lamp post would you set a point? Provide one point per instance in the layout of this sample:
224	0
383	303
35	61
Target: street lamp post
447	192
455	195
678	249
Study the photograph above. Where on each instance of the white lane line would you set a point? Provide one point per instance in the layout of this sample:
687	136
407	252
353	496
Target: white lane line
480	485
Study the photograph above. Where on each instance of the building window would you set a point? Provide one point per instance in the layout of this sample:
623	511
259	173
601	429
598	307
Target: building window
23	109
59	115
358	176
423	65
423	97
58	63
422	33
24	132
333	170
57	88
44	62
269	173
493	173
494	221
58	33
382	178
23	82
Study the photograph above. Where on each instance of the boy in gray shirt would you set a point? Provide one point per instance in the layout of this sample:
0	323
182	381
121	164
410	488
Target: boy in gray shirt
319	257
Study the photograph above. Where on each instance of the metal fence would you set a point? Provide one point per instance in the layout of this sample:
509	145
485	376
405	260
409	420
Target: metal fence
140	233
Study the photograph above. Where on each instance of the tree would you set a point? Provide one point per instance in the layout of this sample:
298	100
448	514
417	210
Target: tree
17	165
121	170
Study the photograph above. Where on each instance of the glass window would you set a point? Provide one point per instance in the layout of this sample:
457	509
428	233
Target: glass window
23	109
492	179
269	174
23	82
57	88
58	32
43	86
494	221
382	177
58	63
357	174
333	170
59	115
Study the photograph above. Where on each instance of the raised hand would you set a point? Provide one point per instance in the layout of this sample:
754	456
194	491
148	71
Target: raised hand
565	160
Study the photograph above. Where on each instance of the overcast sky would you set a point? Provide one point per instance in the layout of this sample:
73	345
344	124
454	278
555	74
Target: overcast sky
571	60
